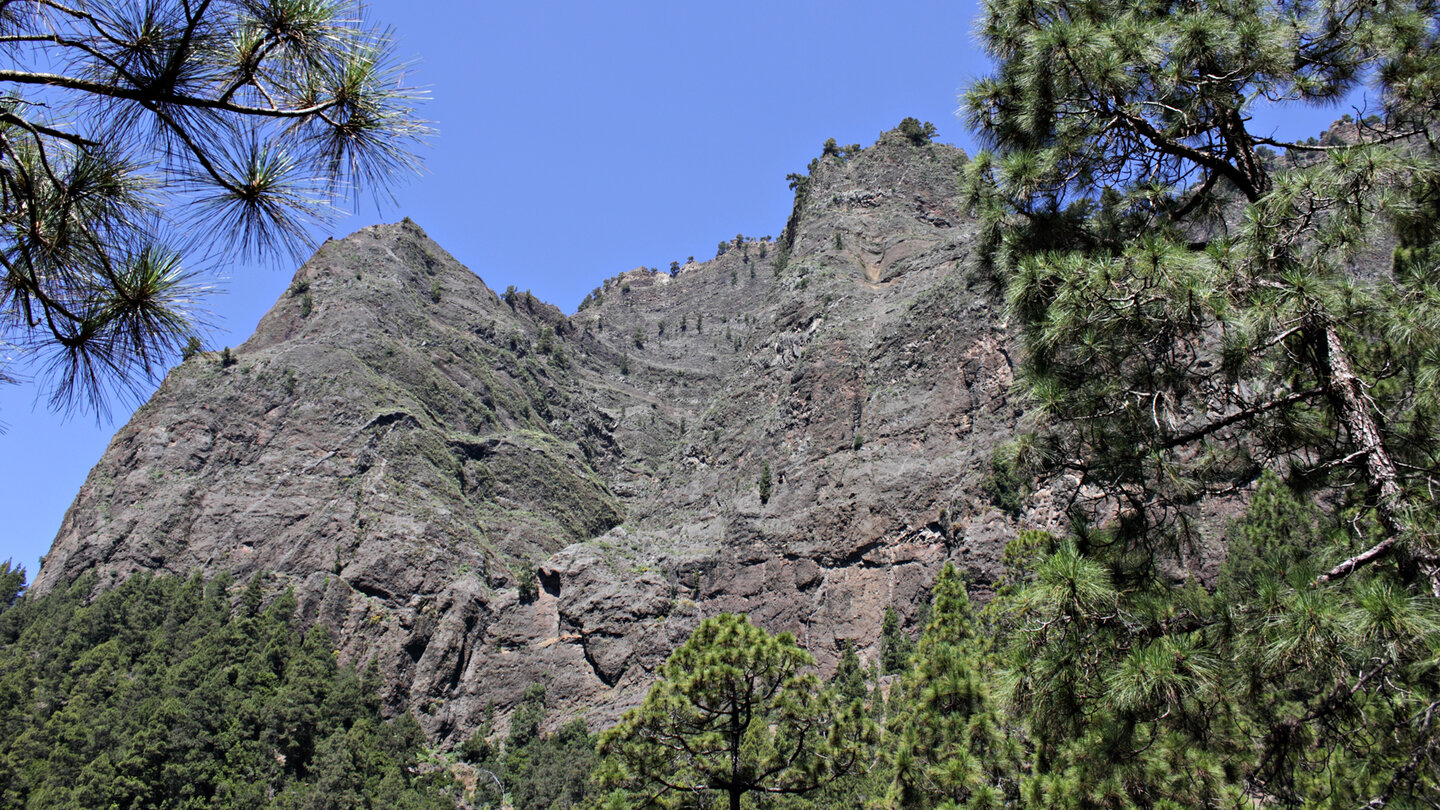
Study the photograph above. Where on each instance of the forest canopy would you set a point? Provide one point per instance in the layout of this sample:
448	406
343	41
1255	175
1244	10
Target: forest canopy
166	692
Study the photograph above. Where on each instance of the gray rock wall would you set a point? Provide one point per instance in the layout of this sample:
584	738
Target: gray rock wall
405	449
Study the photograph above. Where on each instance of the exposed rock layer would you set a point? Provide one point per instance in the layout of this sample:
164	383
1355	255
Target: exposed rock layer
479	492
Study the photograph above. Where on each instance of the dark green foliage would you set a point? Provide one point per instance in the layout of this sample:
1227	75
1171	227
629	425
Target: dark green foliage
849	679
1265	687
896	645
721	249
917	133
538	771
12	584
625	363
638	338
1005	486
307	305
699	323
764	482
1095	679
857	442
192	347
733	714
227	359
949	738
1188	302
528	585
158	694
435	292
1193	323
510	296
674	268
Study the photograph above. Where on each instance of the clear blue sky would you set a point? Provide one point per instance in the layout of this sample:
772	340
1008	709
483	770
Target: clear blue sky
577	140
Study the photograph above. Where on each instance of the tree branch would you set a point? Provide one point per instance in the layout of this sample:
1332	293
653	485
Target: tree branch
148	96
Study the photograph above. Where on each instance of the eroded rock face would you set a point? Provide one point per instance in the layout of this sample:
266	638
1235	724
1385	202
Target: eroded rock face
405	448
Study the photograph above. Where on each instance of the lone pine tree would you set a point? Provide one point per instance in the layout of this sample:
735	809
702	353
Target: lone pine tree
734	713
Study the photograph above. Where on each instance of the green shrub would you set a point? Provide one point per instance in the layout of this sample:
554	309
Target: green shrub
1004	486
917	133
529	586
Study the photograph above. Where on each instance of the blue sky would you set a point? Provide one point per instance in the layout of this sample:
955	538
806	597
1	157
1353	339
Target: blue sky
576	140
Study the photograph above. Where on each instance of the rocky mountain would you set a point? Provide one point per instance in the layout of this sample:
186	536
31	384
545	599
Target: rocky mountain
479	492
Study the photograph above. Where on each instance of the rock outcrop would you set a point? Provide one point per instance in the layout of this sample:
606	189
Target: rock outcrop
479	492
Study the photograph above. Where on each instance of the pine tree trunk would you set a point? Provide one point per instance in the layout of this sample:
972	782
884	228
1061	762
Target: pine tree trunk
1347	393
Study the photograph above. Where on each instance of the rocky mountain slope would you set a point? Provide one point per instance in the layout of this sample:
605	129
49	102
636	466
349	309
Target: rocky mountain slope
479	492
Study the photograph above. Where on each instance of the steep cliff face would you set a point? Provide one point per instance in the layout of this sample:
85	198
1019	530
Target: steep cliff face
479	492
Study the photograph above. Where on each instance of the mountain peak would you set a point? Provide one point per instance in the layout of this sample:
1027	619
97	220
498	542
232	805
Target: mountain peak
479	492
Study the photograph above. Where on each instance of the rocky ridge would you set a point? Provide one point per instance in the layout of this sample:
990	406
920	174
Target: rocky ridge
479	492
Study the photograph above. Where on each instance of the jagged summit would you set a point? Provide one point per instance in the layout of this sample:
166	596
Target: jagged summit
480	492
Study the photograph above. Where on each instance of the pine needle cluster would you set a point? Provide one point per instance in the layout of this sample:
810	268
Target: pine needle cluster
140	142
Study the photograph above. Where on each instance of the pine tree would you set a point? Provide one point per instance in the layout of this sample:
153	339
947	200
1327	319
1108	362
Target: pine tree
734	713
949	741
136	134
896	645
12	584
1190	307
1267	688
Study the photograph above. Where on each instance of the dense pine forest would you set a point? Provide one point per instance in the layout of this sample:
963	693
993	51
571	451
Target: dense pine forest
168	692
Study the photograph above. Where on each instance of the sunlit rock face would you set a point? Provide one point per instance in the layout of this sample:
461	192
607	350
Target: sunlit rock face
478	492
